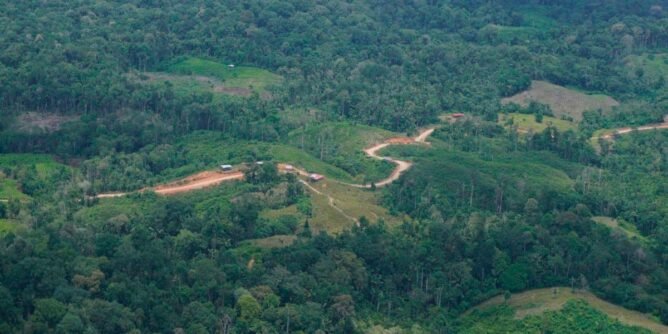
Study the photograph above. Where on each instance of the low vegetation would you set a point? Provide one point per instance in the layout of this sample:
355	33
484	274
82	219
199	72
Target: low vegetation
233	78
526	308
576	316
528	123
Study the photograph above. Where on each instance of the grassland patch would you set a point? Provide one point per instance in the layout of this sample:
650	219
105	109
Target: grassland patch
9	189
563	101
536	302
527	123
44	165
236	80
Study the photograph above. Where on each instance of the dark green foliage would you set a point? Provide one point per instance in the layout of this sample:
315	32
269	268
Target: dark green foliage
485	210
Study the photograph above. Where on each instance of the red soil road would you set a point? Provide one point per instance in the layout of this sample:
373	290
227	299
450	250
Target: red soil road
198	181
402	166
622	131
208	179
194	182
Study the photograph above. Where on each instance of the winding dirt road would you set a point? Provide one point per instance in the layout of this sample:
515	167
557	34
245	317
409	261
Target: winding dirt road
402	166
212	178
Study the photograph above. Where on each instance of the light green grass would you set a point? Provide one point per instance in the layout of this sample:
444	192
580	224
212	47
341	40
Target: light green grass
526	123
536	302
9	189
237	77
44	165
353	201
42	162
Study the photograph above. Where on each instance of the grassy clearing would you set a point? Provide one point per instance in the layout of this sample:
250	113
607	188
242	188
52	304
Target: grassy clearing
527	123
357	202
44	163
326	218
536	302
9	189
621	226
249	77
563	101
183	84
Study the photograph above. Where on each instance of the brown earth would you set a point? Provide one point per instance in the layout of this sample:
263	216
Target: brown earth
197	181
562	101
622	131
212	178
47	122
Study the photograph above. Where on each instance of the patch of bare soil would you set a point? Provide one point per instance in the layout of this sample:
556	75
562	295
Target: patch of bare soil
237	91
562	101
399	141
42	122
198	181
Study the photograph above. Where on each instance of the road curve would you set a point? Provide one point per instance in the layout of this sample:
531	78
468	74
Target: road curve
402	166
209	178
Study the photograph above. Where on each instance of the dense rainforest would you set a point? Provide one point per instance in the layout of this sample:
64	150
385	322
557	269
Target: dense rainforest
117	96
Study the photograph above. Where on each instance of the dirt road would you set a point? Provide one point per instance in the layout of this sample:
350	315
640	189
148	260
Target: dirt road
622	131
194	182
402	166
212	178
198	181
